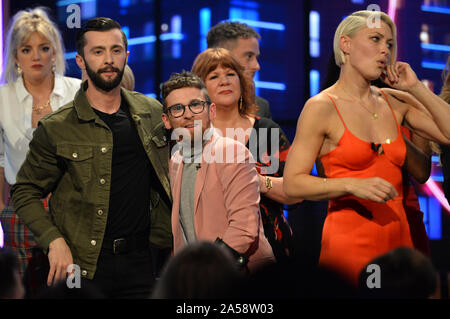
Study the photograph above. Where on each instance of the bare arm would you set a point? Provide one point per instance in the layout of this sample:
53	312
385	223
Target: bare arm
432	127
276	192
312	128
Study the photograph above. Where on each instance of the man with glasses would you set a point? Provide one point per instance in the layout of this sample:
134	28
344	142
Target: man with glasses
214	182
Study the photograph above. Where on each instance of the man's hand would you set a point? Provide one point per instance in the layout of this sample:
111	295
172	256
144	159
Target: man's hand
59	257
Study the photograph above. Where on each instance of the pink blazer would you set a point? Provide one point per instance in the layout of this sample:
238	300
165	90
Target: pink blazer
226	200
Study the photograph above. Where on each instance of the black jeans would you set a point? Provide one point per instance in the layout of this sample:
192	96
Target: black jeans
127	276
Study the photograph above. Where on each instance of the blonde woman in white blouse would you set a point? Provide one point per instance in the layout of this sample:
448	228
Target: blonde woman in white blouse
34	86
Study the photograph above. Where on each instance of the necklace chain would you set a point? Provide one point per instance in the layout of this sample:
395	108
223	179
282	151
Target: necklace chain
373	114
39	109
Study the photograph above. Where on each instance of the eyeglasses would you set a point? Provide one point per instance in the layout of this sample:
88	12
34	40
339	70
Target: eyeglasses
196	107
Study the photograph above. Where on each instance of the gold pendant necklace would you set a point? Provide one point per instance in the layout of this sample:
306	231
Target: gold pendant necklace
374	115
38	109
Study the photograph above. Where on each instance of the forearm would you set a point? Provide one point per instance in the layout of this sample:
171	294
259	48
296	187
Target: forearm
438	108
36	178
314	188
276	193
29	207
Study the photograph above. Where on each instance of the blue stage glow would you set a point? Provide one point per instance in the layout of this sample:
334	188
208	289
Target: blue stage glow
314	170
175	27
64	3
245	4
431	209
435	222
126	30
205	25
434	9
437	178
261	24
140	40
125	3
435	47
314	34
433	65
314	82
270	85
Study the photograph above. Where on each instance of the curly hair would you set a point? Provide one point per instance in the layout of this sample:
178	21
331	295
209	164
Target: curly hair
182	80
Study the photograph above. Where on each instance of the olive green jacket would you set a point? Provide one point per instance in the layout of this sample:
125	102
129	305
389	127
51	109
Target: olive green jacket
70	156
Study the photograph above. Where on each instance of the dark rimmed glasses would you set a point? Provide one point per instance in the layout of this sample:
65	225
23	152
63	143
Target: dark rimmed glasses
196	107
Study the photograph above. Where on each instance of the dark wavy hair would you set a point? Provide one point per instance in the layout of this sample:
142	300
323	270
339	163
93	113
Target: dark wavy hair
210	59
98	24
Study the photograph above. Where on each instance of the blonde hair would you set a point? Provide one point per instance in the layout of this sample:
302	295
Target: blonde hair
24	23
356	21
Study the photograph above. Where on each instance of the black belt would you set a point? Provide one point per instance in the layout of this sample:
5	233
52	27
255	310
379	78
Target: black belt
126	244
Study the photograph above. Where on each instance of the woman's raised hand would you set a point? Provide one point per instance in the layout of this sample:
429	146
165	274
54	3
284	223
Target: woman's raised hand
400	76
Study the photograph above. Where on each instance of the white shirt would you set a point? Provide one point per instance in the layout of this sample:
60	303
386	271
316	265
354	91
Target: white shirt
15	119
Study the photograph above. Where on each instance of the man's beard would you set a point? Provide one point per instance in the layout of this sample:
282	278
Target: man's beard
99	82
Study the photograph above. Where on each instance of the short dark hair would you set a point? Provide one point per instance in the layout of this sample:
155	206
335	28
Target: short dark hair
97	24
224	32
182	80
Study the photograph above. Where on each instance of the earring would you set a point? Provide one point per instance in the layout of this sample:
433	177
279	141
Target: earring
54	65
240	104
19	70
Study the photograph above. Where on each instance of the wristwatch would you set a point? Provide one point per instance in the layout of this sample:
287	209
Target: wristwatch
268	183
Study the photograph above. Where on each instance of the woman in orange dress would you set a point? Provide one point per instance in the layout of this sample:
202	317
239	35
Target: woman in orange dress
354	128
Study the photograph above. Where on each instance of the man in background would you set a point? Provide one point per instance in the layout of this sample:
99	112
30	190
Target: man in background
242	41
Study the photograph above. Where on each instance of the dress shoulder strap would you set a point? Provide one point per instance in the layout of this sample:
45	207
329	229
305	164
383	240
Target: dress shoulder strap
392	110
337	110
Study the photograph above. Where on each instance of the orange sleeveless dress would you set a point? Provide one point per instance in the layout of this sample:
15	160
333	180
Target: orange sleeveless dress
357	230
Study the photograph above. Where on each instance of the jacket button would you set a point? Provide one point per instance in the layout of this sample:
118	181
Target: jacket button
93	242
74	155
102	181
84	273
100	212
104	150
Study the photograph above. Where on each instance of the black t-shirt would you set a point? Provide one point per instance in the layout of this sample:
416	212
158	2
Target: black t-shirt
131	175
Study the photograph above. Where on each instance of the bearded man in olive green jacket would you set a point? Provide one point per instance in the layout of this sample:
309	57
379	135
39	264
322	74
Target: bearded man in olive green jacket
104	159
